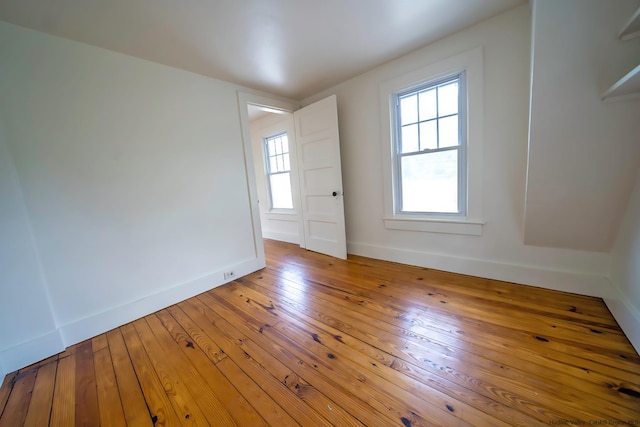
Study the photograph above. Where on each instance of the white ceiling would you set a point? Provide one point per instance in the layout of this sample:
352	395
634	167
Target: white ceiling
292	48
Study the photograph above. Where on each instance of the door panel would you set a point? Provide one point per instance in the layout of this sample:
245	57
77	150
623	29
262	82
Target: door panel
318	146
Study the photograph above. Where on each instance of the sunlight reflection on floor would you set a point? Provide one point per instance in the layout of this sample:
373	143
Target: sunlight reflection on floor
293	283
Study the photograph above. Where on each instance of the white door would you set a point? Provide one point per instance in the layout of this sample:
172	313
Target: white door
321	196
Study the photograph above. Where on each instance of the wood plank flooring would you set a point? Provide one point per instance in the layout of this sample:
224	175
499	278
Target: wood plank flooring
316	341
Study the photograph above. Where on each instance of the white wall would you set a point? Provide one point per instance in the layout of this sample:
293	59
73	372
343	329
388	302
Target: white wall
27	327
134	181
500	252
583	152
625	271
275	225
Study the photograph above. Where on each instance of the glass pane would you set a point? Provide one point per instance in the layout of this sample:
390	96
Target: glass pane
409	109
410	139
287	164
449	131
278	143
273	164
430	182
448	99
281	191
270	147
428	105
285	144
428	135
280	164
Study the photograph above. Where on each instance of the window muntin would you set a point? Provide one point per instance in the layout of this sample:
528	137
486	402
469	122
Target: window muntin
430	148
279	171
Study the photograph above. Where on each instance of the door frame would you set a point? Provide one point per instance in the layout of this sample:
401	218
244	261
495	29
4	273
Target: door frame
244	100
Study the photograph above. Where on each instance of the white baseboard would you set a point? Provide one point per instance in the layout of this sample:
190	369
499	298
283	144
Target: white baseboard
626	314
32	351
19	356
99	323
565	281
282	237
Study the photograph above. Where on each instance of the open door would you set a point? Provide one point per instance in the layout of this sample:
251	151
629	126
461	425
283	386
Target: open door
320	174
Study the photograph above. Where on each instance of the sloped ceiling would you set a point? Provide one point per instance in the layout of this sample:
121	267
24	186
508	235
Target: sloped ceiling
292	48
584	152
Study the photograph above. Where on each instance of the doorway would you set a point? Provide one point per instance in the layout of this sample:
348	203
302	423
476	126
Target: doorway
274	161
316	176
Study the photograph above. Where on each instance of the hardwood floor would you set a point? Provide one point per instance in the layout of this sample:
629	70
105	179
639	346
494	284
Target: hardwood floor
312	340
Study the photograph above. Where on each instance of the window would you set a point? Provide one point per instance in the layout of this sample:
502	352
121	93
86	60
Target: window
279	171
430	148
432	135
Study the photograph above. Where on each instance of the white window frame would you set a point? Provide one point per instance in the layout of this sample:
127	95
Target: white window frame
460	148
470	220
268	171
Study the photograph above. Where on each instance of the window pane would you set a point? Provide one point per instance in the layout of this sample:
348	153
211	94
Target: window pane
410	139
430	182
270	147
428	135
449	131
448	99
428	105
281	191
273	164
280	164
285	144
287	164
409	109
278	144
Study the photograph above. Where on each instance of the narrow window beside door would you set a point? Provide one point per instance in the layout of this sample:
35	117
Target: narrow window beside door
279	171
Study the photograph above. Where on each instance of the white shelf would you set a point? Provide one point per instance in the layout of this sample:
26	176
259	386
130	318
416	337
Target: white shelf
632	28
627	86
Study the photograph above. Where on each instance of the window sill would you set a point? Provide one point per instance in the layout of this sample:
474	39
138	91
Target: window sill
282	215
435	225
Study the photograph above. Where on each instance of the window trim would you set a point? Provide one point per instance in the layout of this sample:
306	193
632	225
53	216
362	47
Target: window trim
470	222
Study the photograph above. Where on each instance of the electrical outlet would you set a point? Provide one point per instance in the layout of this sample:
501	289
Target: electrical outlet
229	275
